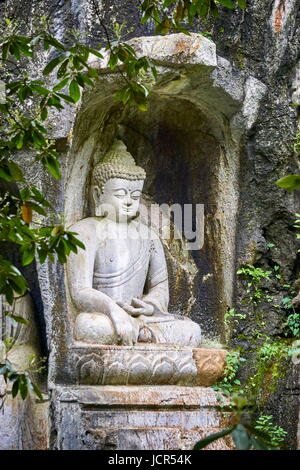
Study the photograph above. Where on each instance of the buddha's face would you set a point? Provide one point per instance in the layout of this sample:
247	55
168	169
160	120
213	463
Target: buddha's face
120	198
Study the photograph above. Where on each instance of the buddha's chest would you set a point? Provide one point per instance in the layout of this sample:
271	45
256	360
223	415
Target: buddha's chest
116	256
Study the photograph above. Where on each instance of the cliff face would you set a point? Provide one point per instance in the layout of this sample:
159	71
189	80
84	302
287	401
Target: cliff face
261	42
265	41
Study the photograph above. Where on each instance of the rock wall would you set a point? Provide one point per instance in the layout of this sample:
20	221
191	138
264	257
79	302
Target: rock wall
260	46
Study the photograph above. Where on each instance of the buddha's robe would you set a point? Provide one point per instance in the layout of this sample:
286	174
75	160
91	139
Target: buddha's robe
122	268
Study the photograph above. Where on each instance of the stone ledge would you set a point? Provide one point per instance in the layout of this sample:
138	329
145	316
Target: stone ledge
137	417
139	395
172	50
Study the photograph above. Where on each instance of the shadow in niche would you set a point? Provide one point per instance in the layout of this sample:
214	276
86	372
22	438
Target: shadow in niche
175	143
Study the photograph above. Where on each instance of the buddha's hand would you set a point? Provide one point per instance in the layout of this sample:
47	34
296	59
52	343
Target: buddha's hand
138	307
125	330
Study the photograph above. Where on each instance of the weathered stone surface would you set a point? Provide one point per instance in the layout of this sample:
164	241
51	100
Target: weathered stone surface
210	365
24	425
149	364
172	51
136	418
245	210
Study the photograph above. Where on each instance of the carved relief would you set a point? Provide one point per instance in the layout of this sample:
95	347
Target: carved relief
150	366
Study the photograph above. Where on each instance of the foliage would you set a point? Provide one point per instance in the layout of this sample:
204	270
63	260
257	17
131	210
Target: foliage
260	436
270	351
269	358
293	325
254	275
231	320
289	182
232	315
276	433
21	381
229	381
170	15
245	437
266	365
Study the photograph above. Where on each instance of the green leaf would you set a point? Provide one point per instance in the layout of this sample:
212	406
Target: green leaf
19	319
67	98
25	194
39	197
15	171
163	27
95	52
182	30
54	42
63	68
75	240
289	182
23	93
86	79
40	89
42	254
61	252
25	50
18	140
52	64
15	388
23	388
241	438
203	9
5	50
53	166
37	391
9	343
262	435
28	255
40	210
74	91
242	4
15	51
113	60
9	294
61	84
214	11
44	114
5	174
167	3
80	80
227	3
213	437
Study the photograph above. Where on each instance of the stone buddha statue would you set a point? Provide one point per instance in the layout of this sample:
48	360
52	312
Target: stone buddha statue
119	283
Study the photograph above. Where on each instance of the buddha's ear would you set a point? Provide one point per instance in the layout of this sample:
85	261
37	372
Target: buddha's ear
96	195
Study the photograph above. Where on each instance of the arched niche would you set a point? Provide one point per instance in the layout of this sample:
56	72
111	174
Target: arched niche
189	143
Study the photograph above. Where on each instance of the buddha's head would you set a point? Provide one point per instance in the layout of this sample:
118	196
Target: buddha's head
117	184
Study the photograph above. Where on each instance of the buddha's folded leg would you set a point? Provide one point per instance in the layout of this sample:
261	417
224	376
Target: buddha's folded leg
179	332
94	328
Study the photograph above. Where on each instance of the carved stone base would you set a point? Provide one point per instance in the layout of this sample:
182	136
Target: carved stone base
144	364
136	418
